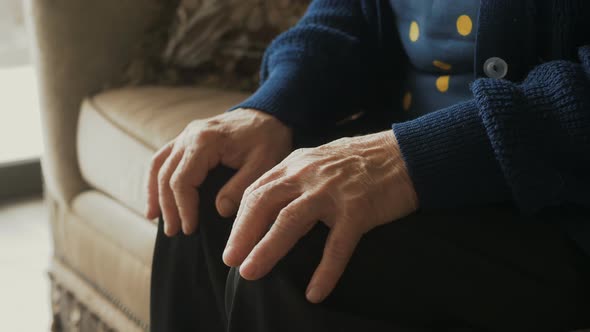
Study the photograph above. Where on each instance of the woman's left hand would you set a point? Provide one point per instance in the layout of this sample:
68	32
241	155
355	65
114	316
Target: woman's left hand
353	185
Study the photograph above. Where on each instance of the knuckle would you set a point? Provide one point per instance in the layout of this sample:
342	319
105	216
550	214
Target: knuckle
253	198
190	152
193	125
277	171
300	151
176	182
304	170
246	194
162	181
181	208
338	249
251	189
288	216
290	220
208	134
214	121
284	226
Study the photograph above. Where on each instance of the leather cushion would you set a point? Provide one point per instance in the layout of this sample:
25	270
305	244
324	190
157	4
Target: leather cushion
119	131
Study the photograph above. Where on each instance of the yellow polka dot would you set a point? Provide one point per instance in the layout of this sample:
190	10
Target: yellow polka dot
407	101
442	83
464	25
441	65
414	31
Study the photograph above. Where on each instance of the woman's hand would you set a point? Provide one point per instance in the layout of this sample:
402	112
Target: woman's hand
244	139
352	185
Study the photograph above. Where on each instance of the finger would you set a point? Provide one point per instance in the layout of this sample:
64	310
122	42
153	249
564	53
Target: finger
153	206
166	196
259	210
292	223
189	174
271	175
340	246
230	195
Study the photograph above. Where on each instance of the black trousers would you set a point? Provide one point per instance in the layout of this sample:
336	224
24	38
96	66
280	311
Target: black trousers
481	269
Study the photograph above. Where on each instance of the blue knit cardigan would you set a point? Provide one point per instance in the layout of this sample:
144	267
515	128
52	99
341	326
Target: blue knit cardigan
524	139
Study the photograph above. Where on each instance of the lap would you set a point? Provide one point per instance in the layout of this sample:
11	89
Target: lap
479	267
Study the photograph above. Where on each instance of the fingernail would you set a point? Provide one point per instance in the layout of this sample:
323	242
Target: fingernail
166	228
226	207
249	269
314	294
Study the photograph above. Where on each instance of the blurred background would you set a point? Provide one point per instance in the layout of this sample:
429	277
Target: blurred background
24	234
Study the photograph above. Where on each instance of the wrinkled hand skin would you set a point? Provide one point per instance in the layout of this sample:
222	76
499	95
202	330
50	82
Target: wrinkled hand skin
336	183
247	140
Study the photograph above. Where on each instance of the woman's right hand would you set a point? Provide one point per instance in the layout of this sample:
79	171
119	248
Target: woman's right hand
247	140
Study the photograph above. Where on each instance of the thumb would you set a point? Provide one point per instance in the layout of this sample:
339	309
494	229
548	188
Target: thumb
228	198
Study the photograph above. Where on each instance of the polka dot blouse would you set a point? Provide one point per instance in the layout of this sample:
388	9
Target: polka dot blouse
439	39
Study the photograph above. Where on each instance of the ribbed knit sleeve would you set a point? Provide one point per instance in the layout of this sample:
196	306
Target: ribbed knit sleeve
528	142
450	158
314	74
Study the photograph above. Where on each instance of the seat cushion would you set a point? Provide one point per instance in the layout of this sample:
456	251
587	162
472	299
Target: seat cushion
119	130
110	247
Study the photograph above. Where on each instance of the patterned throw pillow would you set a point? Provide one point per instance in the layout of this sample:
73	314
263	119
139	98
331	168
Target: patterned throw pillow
215	43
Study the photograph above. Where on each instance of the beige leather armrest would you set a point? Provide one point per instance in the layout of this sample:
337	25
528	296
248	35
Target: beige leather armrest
77	47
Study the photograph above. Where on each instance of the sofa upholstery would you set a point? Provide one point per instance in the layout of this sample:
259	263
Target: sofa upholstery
77	47
119	131
97	149
104	239
102	234
102	244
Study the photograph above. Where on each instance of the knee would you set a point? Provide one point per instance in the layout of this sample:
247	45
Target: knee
215	180
210	221
208	215
291	274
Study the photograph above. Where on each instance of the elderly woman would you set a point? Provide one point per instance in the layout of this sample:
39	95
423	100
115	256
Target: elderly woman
471	211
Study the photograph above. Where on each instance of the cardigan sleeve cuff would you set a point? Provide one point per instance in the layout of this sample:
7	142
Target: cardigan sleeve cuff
294	94
450	158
